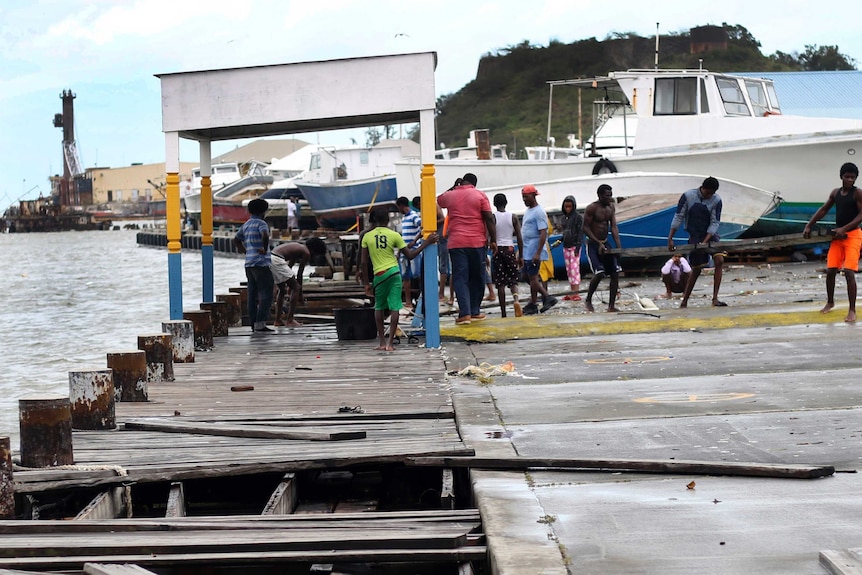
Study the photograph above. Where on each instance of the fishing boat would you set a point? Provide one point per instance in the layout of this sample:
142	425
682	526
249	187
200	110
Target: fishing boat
342	182
685	121
231	183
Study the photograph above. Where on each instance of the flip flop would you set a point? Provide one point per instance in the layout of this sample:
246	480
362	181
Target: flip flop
719	304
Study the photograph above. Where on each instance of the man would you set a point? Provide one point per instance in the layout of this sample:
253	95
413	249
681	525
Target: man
534	231
471	223
292	222
411	230
674	275
379	246
252	239
599	219
284	257
699	211
847	241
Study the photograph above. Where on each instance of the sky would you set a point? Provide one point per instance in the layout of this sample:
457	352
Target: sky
108	52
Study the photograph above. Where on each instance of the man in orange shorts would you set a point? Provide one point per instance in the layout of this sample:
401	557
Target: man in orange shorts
845	247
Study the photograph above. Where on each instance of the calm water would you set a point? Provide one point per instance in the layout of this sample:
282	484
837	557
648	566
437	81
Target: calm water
72	297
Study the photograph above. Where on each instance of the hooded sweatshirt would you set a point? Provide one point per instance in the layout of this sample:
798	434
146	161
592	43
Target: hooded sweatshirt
572	225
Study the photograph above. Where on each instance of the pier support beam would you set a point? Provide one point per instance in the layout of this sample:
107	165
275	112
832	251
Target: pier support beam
182	339
130	375
91	399
174	229
7	490
160	356
46	431
220	316
202	320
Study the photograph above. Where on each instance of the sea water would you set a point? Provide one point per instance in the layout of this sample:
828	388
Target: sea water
69	298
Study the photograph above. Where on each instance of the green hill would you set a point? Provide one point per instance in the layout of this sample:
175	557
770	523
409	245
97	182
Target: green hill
510	93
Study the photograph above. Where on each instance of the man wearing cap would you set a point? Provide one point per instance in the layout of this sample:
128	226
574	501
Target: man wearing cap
252	239
471	223
534	231
699	211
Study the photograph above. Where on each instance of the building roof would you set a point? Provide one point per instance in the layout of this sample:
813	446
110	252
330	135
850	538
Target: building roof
263	150
830	94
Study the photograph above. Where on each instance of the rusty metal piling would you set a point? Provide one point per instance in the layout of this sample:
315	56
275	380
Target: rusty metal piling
182	339
202	320
219	315
234	302
7	489
160	356
91	399
46	431
130	375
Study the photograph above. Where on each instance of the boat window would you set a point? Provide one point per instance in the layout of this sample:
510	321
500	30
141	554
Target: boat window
773	97
224	169
704	101
757	95
315	162
363	158
675	96
731	95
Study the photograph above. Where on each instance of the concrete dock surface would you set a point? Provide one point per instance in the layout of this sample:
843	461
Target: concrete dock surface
767	380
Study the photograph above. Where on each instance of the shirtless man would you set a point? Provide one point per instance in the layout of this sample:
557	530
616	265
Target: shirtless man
284	258
847	237
599	218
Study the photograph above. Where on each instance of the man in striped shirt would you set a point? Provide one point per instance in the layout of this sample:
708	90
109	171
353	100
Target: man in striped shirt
411	232
252	239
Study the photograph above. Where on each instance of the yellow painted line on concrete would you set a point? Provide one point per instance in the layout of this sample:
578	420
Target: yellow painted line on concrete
604	324
686	398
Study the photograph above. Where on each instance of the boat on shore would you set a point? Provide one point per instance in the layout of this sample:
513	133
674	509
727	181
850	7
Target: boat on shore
231	183
684	121
342	182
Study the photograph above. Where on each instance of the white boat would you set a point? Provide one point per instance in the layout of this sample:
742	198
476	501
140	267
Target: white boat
685	121
341	182
231	182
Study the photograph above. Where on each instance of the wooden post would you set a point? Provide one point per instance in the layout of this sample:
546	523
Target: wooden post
234	302
220	316
160	355
7	490
130	375
46	431
202	319
91	398
243	303
182	339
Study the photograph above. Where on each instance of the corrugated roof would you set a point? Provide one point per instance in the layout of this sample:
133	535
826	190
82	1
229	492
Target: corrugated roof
831	94
264	150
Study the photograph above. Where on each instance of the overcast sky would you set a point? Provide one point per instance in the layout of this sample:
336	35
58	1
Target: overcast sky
107	52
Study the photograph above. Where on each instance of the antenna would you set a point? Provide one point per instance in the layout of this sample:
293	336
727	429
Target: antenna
656	46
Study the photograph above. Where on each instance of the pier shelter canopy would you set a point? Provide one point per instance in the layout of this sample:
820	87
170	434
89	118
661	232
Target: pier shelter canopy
283	99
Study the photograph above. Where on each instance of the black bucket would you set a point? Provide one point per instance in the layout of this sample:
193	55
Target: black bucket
355	323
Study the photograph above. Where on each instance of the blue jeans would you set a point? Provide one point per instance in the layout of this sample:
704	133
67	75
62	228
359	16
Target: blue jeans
260	286
468	273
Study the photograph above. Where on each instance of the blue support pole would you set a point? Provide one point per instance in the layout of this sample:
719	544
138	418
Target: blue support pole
175	284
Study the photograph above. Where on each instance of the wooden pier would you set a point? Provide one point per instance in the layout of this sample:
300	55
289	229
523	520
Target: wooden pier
279	452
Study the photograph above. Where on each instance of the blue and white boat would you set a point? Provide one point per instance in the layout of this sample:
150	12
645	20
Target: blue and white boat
342	182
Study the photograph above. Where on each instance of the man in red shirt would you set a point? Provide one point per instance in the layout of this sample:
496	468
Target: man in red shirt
471	223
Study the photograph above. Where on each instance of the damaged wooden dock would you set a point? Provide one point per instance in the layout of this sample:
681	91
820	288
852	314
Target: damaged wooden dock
282	451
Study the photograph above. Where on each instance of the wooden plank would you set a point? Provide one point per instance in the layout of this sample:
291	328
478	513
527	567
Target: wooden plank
106	505
176	506
283	499
634	465
115	569
447	490
238	430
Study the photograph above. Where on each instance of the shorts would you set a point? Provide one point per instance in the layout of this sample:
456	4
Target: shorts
601	263
444	266
504	267
844	253
387	290
530	268
281	271
410	269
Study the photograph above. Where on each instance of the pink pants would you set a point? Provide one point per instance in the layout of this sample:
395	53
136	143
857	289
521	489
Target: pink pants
572	257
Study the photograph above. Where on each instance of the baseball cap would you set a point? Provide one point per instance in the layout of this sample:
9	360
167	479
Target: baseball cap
530	189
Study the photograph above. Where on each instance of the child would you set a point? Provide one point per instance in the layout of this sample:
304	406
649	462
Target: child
505	263
573	234
380	245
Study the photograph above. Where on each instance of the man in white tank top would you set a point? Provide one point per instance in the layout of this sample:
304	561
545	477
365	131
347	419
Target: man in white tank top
505	262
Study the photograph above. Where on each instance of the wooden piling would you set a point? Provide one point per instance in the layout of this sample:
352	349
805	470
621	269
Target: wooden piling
202	320
91	399
130	375
46	431
235	305
7	490
219	315
243	303
159	350
182	339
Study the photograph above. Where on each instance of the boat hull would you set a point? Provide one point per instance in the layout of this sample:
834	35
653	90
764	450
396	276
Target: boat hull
336	205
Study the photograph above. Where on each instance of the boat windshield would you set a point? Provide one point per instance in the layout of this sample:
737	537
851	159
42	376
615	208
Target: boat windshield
732	96
757	95
773	97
